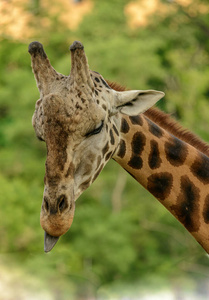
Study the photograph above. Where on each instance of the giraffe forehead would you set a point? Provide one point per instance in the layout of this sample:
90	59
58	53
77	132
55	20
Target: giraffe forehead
64	100
71	112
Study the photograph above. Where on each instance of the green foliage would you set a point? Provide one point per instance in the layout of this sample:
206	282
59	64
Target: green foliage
141	240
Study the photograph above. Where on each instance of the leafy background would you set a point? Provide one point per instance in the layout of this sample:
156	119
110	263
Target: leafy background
123	244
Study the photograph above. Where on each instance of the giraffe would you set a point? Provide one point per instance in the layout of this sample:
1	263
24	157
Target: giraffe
85	121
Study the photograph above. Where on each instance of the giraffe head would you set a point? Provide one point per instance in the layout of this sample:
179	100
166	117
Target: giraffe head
77	117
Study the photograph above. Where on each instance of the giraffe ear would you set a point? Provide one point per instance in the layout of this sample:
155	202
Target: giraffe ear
136	101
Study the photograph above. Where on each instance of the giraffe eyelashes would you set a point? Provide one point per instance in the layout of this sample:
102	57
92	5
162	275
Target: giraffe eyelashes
40	138
96	130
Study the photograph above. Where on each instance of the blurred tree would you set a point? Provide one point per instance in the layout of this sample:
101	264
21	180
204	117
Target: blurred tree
125	239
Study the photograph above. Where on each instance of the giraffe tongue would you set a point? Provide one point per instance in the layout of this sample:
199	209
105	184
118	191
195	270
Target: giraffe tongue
49	241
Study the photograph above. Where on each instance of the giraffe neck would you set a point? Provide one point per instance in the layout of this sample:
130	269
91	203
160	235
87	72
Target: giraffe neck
175	172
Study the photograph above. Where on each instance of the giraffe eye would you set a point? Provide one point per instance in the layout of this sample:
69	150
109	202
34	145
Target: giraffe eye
96	130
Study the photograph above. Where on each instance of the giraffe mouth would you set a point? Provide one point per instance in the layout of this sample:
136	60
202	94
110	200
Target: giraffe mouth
49	241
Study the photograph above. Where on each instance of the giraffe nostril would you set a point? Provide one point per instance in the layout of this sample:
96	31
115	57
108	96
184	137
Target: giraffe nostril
62	203
46	204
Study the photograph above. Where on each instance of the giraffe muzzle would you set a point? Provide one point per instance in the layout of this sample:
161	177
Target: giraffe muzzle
56	218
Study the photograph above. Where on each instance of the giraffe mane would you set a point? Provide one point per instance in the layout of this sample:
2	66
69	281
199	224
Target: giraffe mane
166	122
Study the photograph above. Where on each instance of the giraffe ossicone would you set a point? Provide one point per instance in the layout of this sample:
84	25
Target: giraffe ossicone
85	122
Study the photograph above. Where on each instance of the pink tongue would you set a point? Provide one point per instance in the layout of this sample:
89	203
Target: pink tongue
49	242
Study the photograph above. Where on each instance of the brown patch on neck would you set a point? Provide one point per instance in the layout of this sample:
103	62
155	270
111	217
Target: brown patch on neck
166	122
